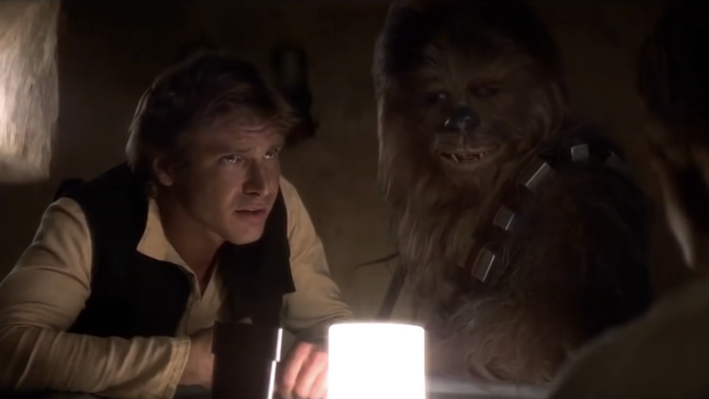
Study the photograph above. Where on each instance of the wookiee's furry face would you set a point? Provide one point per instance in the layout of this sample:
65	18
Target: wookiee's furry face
464	90
463	87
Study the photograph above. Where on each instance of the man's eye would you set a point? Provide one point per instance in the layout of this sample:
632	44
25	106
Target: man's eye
231	159
272	154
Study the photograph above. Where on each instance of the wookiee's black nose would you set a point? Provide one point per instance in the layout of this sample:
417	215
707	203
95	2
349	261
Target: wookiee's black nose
462	119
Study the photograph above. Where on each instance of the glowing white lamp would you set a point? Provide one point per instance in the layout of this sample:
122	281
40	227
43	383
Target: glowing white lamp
376	361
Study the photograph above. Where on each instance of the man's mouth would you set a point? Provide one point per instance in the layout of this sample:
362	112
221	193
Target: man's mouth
466	157
251	211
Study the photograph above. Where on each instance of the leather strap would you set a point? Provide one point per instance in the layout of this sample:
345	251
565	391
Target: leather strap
393	292
483	261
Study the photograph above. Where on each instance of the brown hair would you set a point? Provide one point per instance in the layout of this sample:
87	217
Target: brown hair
674	84
204	90
672	76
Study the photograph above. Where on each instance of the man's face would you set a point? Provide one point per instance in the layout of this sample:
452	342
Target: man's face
232	180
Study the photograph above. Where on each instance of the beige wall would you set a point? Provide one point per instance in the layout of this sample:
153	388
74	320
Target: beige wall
109	53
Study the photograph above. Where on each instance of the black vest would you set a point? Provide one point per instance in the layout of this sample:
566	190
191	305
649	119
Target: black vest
135	295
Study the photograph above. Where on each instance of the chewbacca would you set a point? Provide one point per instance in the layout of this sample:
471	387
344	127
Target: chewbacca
522	235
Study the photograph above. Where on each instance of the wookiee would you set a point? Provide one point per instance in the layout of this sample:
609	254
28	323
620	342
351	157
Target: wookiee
521	232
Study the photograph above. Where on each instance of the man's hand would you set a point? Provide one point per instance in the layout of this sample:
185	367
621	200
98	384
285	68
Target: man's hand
200	363
305	373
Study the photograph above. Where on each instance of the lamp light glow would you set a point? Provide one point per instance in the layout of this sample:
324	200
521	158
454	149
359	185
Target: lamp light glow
376	361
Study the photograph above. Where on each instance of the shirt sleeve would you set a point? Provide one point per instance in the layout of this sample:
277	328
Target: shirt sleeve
316	304
39	301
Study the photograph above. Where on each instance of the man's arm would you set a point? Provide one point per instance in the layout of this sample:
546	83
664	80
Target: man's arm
40	300
316	304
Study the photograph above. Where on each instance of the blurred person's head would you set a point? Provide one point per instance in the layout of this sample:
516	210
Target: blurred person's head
674	84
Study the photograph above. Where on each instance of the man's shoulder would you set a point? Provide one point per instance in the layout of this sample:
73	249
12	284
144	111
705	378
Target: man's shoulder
110	183
660	354
64	209
291	197
114	191
114	202
288	189
689	303
299	222
62	223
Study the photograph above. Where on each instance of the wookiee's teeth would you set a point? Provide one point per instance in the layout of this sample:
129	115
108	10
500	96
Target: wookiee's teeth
467	157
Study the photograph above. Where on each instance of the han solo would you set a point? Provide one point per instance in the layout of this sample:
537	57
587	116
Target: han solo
127	274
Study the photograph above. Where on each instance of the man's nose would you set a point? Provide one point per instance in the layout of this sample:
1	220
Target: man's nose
463	119
256	184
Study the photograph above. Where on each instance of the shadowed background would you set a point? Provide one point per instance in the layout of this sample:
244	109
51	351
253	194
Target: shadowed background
110	51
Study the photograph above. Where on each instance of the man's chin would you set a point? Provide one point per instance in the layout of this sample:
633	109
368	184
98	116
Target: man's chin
246	227
245	236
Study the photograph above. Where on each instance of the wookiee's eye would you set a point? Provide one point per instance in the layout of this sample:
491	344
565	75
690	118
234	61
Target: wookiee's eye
485	91
437	98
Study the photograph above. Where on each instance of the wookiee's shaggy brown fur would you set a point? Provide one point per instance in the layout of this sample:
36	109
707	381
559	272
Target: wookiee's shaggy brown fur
575	264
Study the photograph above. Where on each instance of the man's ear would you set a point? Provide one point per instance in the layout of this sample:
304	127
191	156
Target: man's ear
163	171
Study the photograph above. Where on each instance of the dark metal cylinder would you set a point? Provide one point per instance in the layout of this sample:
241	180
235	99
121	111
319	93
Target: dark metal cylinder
245	361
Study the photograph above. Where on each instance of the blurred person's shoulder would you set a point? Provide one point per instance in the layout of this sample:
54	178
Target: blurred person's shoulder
660	355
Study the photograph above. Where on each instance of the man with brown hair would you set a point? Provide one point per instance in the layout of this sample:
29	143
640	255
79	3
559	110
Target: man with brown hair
664	354
118	293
